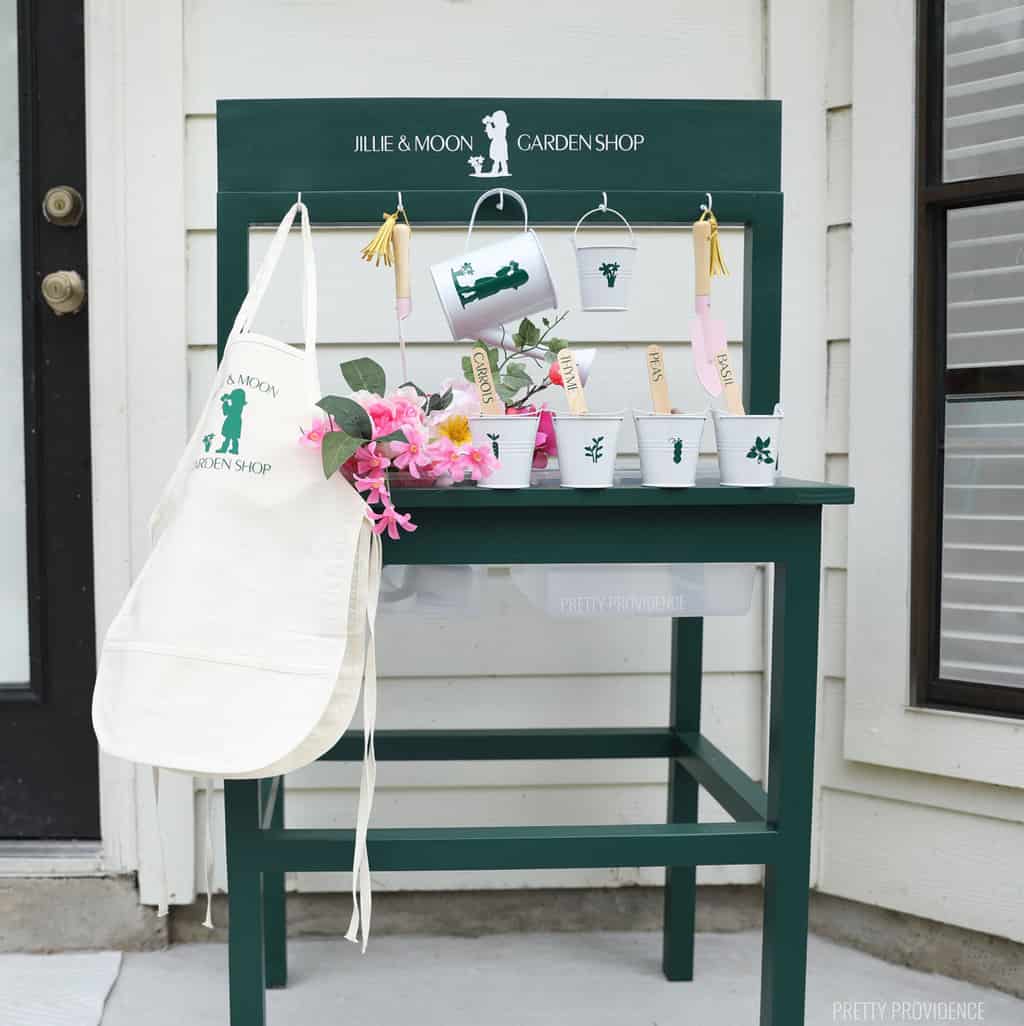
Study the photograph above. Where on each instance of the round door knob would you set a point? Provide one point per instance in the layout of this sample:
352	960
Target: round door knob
63	205
64	292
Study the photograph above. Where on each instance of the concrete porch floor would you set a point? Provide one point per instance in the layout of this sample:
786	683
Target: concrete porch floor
600	979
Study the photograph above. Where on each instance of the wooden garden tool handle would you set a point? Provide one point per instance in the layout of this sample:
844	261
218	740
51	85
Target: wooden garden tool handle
400	239
702	258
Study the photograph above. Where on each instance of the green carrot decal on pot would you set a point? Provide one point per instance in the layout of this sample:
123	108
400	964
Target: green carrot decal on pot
595	451
677	450
761	450
494	443
609	271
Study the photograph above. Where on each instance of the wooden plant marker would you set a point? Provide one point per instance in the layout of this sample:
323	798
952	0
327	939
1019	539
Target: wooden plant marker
730	386
658	380
490	402
571	382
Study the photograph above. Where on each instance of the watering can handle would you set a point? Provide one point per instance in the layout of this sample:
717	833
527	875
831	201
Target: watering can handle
604	209
497	192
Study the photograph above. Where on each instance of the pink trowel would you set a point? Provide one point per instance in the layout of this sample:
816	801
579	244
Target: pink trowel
707	335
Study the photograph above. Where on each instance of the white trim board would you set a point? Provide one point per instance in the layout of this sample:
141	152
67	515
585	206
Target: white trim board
881	727
23	859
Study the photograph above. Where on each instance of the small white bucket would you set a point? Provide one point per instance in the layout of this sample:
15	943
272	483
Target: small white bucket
669	447
605	272
587	446
490	286
749	448
511	437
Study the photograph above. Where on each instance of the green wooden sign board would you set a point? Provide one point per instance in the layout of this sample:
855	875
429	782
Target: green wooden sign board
657	159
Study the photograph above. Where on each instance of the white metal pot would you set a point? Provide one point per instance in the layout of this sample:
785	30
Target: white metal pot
669	446
604	272
488	287
587	446
749	448
512	438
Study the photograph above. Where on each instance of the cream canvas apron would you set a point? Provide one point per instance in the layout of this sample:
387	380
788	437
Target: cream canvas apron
243	645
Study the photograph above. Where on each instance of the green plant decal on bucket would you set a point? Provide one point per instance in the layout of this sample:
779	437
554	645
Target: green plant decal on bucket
609	271
595	451
231	404
510	276
761	450
494	444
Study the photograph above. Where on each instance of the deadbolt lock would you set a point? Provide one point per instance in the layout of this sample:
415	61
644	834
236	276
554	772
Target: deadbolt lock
63	206
64	292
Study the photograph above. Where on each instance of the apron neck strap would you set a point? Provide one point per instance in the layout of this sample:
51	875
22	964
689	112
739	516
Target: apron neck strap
251	304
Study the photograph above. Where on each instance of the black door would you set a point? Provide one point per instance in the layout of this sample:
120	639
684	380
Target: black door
49	786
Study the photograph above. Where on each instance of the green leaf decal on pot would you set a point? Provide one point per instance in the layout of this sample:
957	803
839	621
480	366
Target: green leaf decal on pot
761	450
494	444
595	450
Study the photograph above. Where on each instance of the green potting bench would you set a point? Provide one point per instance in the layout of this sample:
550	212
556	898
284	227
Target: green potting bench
270	149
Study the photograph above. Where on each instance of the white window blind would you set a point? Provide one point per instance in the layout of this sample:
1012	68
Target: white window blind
984	89
982	619
985	285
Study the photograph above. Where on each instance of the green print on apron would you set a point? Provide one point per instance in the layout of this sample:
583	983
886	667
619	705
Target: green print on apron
511	276
231	406
241	650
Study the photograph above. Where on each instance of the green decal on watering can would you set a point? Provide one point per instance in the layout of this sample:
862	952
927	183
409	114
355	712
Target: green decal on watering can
510	276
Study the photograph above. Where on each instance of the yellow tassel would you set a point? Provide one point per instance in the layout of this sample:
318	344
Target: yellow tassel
718	268
381	247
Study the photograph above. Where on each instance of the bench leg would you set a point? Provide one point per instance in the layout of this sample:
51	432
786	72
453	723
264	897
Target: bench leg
681	881
275	929
790	783
245	906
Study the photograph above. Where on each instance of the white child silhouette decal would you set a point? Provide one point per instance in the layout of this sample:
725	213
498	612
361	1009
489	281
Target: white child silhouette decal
496	127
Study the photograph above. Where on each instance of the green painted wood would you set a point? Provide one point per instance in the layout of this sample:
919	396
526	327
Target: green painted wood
537	534
246	979
315	144
524	847
710	767
582	743
794	674
684	715
275	926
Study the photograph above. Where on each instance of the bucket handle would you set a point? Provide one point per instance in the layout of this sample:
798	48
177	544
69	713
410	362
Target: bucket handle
496	192
603	208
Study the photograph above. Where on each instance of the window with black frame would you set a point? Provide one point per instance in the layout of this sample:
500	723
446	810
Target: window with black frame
967	644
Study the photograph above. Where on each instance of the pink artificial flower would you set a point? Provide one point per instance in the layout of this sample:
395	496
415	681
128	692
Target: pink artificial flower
314	437
480	462
376	486
546	445
449	459
390	520
370	462
411	455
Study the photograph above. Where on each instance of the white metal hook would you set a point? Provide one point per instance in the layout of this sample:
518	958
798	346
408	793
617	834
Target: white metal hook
501	200
706	206
401	207
299	200
604	203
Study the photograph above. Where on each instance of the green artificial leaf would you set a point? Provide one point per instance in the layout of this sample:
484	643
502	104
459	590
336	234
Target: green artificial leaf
337	447
439	401
492	358
515	374
364	374
556	345
545	322
507	392
395	436
412	384
528	332
467	369
348	415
